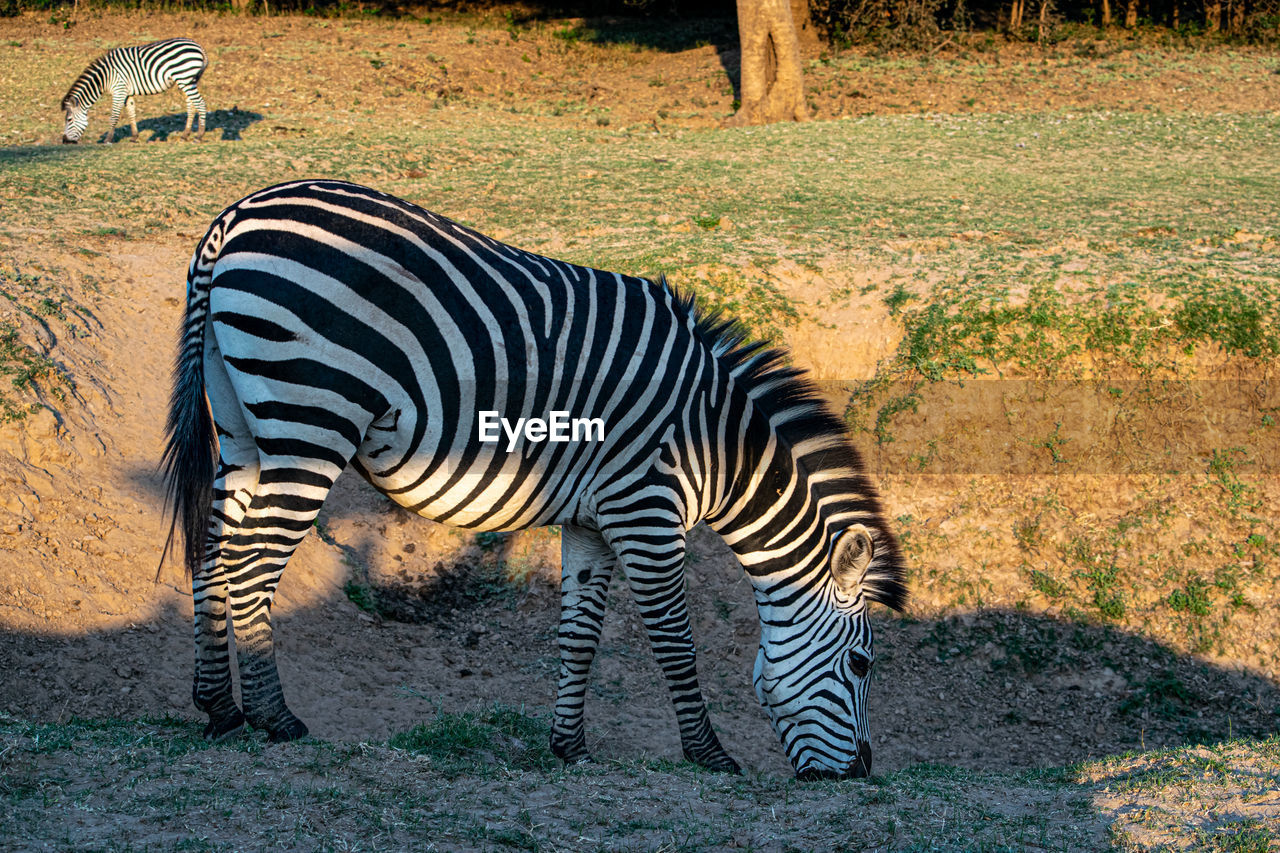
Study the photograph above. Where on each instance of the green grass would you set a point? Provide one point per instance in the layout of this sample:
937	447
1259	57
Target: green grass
498	737
129	784
458	780
983	237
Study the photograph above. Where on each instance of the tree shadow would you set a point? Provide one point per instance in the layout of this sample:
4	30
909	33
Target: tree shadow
232	123
987	689
665	34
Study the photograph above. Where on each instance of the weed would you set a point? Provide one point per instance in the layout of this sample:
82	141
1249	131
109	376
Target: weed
1164	695
361	596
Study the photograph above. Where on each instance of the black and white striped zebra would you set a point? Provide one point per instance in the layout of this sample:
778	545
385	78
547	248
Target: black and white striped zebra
146	69
330	324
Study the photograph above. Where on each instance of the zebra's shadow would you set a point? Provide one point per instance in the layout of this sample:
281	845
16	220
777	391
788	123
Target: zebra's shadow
232	123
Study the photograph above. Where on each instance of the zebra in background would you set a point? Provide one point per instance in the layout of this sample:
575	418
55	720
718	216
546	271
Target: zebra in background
329	324
147	69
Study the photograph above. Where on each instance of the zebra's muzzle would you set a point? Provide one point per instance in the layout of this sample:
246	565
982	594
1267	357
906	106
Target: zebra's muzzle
68	141
859	768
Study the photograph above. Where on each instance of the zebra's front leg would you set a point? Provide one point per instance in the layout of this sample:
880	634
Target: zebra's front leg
584	582
655	572
117	105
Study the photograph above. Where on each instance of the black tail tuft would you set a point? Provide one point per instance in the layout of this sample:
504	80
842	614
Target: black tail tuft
192	444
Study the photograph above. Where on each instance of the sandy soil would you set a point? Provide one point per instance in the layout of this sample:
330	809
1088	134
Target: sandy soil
88	629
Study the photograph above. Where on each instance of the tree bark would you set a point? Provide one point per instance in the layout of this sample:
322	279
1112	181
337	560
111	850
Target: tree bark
1236	15
772	79
807	37
1106	13
1131	15
1213	15
1015	15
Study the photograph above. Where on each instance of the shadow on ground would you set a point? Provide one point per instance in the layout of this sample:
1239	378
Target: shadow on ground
991	689
226	125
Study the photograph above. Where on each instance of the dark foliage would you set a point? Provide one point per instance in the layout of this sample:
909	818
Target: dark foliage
910	24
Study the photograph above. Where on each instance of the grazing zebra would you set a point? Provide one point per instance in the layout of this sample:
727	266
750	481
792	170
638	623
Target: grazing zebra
329	324
147	69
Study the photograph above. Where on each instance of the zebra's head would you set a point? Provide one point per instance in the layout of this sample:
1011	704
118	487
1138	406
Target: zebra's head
815	656
77	114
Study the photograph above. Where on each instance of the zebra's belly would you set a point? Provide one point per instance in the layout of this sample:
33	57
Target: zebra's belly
480	486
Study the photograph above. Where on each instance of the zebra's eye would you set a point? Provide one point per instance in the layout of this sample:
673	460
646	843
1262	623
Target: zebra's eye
859	664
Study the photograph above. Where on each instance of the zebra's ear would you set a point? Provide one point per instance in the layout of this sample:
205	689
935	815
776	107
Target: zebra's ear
852	557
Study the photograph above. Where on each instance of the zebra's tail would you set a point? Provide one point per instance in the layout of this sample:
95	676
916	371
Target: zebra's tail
192	442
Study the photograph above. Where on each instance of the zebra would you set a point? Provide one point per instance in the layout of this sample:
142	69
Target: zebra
147	69
328	324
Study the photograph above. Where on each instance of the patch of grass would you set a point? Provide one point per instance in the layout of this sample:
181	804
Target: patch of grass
1224	470
1241	323
1164	695
501	736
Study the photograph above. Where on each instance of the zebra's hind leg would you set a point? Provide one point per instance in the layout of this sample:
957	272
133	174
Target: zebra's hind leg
290	493
211	689
233	489
587	566
651	552
195	105
133	118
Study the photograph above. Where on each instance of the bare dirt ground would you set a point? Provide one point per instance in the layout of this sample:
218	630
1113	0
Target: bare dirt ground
88	629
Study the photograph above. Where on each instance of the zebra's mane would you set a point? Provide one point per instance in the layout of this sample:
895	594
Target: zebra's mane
765	373
82	82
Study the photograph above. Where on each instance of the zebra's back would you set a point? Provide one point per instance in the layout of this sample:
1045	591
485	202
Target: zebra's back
404	334
148	69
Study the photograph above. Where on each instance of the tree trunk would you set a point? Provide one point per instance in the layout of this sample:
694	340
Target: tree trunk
807	37
1131	14
1213	15
1044	19
1236	15
772	79
1106	13
1015	15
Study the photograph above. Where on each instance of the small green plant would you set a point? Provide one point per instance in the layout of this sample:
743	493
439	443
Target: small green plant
1047	585
1223	470
361	596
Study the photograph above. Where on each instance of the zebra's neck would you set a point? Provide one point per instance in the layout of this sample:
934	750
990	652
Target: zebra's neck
773	513
793	481
88	87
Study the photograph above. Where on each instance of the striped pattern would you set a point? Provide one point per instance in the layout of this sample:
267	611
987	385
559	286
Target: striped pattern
147	69
330	324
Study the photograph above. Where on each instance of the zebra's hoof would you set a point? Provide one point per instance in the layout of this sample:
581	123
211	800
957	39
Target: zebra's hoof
224	728
291	729
721	763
